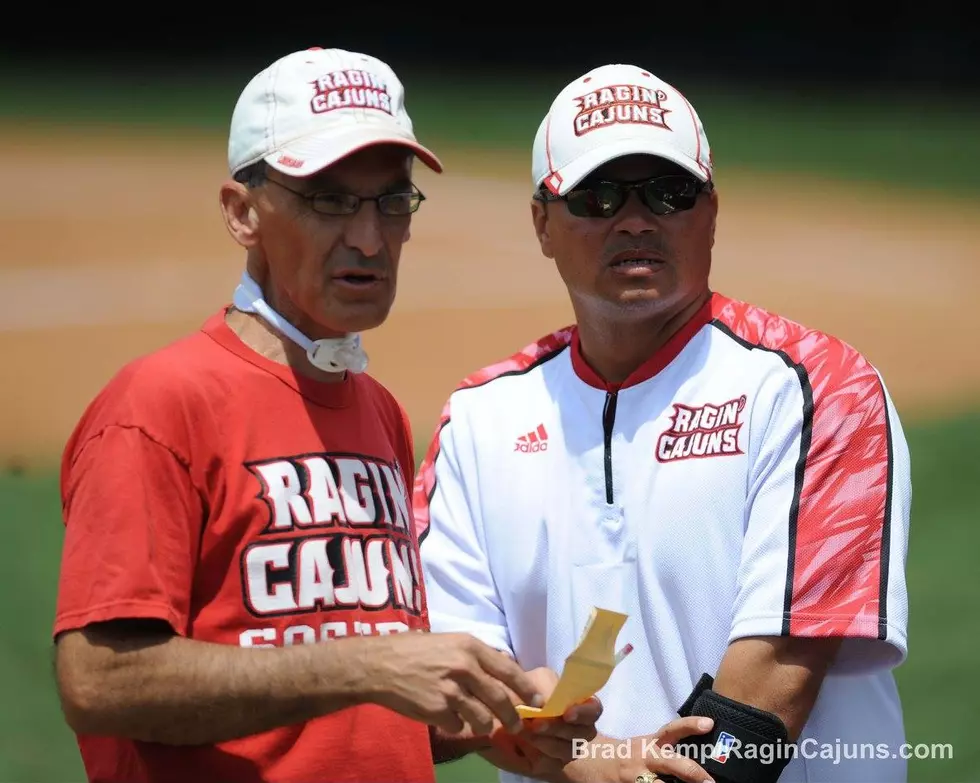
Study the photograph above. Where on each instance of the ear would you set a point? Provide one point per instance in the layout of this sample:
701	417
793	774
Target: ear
539	217
713	201
239	213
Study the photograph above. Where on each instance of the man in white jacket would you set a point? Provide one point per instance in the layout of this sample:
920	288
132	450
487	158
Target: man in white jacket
734	482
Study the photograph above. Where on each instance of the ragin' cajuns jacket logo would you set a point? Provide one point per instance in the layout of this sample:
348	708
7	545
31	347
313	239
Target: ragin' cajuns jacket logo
702	431
351	89
620	104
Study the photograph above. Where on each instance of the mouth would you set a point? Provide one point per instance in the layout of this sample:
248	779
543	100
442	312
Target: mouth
636	262
359	277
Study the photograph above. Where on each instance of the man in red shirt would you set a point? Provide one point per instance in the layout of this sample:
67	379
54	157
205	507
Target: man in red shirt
240	570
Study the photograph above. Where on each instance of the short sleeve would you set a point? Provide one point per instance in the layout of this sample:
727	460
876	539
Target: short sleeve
829	496
460	590
133	522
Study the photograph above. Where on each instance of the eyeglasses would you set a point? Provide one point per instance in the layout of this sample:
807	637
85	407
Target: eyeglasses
662	195
391	204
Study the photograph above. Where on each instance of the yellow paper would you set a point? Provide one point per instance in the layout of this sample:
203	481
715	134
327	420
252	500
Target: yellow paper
587	668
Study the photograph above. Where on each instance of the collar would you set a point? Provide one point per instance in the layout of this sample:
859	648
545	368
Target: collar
657	362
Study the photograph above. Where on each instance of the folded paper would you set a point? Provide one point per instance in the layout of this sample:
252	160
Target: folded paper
587	668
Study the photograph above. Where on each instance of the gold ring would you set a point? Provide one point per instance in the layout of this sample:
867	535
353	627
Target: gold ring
646	777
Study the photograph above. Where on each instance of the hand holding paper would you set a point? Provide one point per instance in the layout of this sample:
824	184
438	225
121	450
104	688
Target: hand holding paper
587	668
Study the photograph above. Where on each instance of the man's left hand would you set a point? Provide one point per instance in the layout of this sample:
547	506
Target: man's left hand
554	736
545	745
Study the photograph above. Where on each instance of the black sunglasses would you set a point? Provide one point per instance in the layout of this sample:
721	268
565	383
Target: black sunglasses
391	204
662	195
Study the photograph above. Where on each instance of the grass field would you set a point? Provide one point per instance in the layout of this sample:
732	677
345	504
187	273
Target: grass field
866	137
937	682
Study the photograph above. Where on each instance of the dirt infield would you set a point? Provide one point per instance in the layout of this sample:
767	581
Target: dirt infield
113	245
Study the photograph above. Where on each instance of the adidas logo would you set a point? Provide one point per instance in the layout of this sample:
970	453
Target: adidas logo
536	440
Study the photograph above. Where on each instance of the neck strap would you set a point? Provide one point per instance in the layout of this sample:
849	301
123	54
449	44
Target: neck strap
334	354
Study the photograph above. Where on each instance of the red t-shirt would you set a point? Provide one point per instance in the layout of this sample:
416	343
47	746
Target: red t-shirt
217	490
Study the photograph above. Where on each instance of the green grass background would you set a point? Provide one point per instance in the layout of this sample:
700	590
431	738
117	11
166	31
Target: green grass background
861	137
925	143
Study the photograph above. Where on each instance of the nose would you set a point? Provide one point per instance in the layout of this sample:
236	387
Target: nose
363	231
635	218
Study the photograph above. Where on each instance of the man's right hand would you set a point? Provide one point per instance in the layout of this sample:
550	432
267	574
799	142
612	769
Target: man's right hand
449	680
625	761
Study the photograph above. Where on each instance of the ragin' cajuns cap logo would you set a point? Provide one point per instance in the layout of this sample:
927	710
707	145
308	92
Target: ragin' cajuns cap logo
626	104
350	89
702	431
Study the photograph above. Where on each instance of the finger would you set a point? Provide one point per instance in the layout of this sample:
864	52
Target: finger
448	721
471	711
492	694
545	678
682	727
510	674
514	698
588	712
476	716
552	747
560	729
680	767
516	746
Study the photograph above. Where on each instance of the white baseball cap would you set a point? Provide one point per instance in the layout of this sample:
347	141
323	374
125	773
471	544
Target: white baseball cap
611	111
311	108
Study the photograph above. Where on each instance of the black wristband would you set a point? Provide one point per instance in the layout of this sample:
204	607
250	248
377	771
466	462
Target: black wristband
745	745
